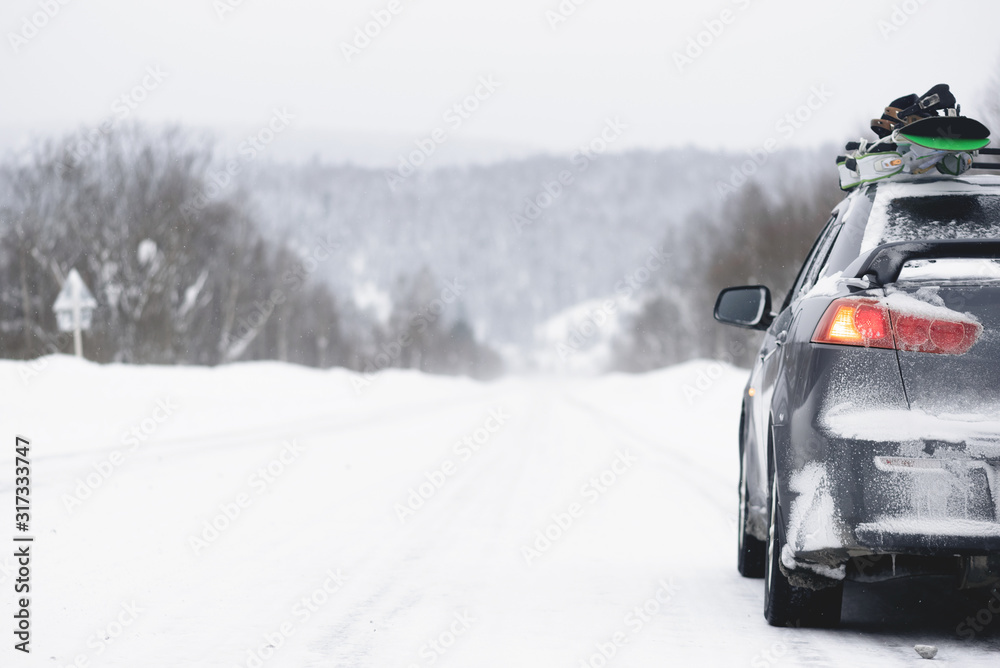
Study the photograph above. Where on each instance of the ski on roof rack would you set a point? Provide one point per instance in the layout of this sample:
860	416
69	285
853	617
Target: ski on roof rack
917	136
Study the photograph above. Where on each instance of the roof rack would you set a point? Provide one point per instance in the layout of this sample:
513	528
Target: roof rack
987	165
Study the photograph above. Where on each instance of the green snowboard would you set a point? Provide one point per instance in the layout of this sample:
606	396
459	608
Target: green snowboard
946	133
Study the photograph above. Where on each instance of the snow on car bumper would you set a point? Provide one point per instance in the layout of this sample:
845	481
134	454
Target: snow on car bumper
931	495
895	534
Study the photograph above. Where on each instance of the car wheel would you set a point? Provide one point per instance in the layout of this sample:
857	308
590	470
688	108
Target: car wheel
752	550
785	604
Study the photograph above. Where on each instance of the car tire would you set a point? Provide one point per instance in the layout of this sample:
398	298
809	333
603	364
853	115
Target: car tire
788	605
752	551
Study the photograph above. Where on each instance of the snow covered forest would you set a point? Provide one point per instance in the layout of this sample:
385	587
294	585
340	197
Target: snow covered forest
196	257
182	271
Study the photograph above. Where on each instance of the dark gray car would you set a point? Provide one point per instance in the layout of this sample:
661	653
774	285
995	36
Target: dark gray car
870	434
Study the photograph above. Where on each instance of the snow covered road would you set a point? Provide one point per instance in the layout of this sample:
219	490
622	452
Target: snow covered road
268	515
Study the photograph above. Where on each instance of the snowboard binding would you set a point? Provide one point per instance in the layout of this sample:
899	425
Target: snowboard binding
917	134
909	109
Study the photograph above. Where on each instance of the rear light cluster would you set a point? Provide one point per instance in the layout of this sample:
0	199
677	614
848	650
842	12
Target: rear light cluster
863	321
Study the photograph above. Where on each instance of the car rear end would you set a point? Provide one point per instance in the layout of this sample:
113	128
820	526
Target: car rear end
891	438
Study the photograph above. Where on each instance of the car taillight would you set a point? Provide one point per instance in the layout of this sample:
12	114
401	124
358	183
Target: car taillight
855	322
862	321
928	335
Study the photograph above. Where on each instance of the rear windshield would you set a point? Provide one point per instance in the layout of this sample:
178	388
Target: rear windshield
942	217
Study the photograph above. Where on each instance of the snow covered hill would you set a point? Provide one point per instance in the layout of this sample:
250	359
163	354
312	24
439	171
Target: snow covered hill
269	515
524	243
580	339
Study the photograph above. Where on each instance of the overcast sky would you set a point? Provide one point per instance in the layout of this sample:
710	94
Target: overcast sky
558	80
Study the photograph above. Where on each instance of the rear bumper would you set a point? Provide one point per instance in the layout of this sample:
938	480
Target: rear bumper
929	537
920	498
916	538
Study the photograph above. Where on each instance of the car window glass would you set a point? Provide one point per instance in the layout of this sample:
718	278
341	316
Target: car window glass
819	261
821	247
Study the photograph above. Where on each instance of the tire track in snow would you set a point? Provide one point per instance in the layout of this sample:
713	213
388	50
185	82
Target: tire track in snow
661	453
235	438
807	647
198	445
246	447
693	478
385	586
686	480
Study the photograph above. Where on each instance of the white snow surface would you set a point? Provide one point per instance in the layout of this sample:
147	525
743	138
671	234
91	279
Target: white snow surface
950	269
146	251
924	303
813	521
889	424
632	478
826	287
933	526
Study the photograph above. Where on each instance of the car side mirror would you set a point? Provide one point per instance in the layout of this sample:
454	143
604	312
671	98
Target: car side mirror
748	306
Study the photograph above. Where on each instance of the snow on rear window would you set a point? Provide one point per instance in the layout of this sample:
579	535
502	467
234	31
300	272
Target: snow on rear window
951	268
956	216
